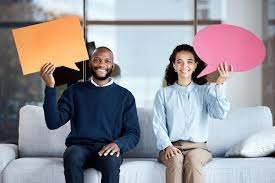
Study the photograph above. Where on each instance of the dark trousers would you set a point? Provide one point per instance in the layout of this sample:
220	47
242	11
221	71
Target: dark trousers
77	158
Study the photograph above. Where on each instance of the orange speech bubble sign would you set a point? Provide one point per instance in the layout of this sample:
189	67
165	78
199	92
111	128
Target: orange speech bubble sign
60	42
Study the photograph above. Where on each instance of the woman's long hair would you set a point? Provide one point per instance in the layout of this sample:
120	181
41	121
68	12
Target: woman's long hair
171	76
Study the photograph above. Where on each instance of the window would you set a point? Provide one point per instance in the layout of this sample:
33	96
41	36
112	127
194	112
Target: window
142	35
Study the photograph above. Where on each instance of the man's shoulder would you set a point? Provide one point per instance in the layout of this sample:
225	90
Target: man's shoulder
123	90
74	87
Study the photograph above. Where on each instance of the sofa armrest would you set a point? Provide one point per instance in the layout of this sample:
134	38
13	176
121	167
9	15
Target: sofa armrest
8	152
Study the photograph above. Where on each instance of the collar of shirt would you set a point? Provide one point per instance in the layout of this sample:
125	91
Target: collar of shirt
111	81
187	88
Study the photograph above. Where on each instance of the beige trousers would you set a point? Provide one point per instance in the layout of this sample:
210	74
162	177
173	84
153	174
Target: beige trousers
187	166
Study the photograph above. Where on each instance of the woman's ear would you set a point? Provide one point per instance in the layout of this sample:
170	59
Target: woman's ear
174	66
196	65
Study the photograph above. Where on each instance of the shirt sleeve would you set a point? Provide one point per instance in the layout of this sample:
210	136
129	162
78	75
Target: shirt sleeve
130	126
217	103
159	122
57	114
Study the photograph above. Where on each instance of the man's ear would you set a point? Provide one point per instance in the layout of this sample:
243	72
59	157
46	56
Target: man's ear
90	63
90	60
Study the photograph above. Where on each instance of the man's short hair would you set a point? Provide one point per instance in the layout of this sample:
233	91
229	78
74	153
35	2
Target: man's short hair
103	48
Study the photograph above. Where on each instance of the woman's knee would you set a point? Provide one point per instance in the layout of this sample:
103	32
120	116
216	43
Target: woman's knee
175	161
196	158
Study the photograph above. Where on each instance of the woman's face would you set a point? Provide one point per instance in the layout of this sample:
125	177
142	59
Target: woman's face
185	64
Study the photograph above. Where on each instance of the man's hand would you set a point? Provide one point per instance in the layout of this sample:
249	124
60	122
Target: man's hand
111	149
171	151
46	73
224	71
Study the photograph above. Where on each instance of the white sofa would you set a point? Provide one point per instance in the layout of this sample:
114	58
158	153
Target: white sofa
38	156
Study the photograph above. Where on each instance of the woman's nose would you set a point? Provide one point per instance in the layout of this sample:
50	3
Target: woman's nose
184	65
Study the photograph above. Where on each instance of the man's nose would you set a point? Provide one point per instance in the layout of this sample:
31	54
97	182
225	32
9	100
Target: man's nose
101	63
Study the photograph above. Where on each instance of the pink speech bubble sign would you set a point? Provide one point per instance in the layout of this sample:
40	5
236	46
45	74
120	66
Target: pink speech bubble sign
234	45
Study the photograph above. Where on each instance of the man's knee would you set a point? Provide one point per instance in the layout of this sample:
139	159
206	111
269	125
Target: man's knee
110	163
73	156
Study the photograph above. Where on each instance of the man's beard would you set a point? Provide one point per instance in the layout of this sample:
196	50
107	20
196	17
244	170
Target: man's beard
108	74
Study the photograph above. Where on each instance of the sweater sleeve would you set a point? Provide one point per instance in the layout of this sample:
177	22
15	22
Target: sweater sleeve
216	102
159	122
57	114
130	126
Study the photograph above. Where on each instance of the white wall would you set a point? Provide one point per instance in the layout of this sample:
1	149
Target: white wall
245	89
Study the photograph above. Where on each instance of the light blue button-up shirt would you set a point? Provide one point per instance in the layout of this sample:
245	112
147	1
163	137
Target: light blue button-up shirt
183	112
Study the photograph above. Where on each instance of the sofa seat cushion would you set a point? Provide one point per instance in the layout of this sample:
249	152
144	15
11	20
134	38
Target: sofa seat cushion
50	170
136	170
240	170
34	170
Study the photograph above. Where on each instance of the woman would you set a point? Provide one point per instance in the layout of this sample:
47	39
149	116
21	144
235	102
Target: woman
181	114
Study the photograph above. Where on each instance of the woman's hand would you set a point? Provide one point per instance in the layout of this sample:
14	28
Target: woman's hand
46	73
224	71
171	151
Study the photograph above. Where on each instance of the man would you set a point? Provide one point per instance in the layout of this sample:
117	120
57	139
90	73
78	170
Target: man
103	119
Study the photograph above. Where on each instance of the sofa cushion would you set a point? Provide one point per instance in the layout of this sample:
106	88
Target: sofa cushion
259	144
49	170
147	146
136	170
35	139
240	170
8	153
34	170
238	125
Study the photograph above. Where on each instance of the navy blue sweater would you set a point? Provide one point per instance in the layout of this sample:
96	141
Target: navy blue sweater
97	114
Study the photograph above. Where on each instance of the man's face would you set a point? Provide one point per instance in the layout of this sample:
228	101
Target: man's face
101	64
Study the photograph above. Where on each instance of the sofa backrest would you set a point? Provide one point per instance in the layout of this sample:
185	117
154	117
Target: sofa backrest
35	139
238	125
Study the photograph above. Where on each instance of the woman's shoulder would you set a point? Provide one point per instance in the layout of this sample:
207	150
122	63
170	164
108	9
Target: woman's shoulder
203	89
205	86
211	87
166	89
